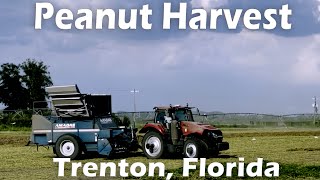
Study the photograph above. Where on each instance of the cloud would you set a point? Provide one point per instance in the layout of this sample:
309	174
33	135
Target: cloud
18	18
209	4
207	69
304	19
277	59
215	70
306	69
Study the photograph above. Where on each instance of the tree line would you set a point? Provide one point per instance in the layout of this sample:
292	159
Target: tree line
23	84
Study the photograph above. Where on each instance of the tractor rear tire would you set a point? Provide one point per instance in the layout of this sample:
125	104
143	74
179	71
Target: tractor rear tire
153	145
68	147
192	148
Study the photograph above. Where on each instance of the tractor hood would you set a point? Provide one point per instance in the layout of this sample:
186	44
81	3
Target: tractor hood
189	127
199	125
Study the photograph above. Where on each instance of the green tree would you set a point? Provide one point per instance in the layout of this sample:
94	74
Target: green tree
35	78
12	93
116	119
126	121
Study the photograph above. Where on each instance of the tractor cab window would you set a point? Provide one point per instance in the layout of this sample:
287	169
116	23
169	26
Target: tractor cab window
183	115
160	117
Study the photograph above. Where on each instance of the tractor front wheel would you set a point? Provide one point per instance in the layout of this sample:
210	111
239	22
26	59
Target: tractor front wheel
68	147
153	145
192	149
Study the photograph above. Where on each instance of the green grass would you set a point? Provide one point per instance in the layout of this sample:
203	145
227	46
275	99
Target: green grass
13	128
297	151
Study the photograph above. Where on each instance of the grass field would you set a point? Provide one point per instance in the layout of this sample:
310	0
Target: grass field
296	150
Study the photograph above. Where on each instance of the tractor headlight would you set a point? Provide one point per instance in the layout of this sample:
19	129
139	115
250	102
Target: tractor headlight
209	134
212	135
215	136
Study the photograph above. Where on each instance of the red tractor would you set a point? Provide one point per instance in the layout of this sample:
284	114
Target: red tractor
174	131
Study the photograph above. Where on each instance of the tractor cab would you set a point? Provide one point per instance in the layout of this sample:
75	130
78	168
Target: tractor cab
179	113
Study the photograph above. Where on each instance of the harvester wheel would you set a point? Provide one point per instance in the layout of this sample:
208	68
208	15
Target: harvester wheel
68	147
153	145
192	148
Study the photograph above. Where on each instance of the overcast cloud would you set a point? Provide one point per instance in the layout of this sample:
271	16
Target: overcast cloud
230	71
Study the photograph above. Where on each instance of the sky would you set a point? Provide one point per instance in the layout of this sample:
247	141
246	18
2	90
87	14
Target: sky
230	71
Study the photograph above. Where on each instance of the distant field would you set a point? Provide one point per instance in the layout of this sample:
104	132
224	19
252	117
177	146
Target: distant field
297	151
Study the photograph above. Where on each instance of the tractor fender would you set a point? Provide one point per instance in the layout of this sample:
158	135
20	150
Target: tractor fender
153	127
193	136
